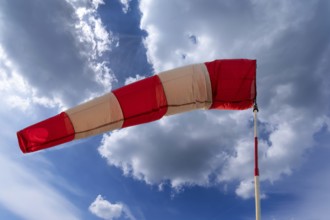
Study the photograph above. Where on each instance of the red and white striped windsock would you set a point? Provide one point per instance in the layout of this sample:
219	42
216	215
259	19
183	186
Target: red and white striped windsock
221	84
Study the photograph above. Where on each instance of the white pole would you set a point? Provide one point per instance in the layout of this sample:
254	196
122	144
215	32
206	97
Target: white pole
256	166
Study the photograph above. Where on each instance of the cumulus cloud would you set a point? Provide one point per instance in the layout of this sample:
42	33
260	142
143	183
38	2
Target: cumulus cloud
205	148
175	149
108	211
48	44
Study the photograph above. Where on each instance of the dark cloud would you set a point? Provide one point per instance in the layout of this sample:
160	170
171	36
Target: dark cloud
177	149
295	59
41	38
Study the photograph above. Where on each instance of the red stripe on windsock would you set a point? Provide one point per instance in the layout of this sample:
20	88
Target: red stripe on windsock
233	83
50	132
143	101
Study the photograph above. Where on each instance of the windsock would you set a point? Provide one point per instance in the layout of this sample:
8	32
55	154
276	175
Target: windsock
221	84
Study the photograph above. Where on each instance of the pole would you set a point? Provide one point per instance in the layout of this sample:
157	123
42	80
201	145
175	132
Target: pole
256	166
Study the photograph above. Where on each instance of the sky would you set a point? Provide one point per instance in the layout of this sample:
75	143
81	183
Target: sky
198	165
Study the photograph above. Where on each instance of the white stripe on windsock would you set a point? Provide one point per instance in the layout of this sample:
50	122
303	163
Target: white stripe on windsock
96	116
187	88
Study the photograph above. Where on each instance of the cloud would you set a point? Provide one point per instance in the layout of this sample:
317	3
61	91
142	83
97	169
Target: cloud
16	91
125	5
108	211
48	44
130	79
207	148
28	195
174	149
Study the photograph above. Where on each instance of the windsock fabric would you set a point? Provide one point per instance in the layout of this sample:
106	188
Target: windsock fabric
220	84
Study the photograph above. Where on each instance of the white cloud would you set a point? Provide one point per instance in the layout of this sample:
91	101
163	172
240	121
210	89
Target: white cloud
130	79
125	5
92	33
211	148
224	29
108	211
96	3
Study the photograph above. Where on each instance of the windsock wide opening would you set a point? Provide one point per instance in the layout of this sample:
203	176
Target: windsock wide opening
233	83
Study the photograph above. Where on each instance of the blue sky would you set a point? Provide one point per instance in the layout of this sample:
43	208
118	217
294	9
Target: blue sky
198	165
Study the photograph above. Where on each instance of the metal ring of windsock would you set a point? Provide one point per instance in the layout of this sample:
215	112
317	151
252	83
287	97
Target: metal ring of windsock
221	84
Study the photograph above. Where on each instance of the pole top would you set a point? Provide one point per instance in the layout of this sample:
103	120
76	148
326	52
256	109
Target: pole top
255	106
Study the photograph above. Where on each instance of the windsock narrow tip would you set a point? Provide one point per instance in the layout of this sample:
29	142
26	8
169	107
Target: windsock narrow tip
48	133
22	142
